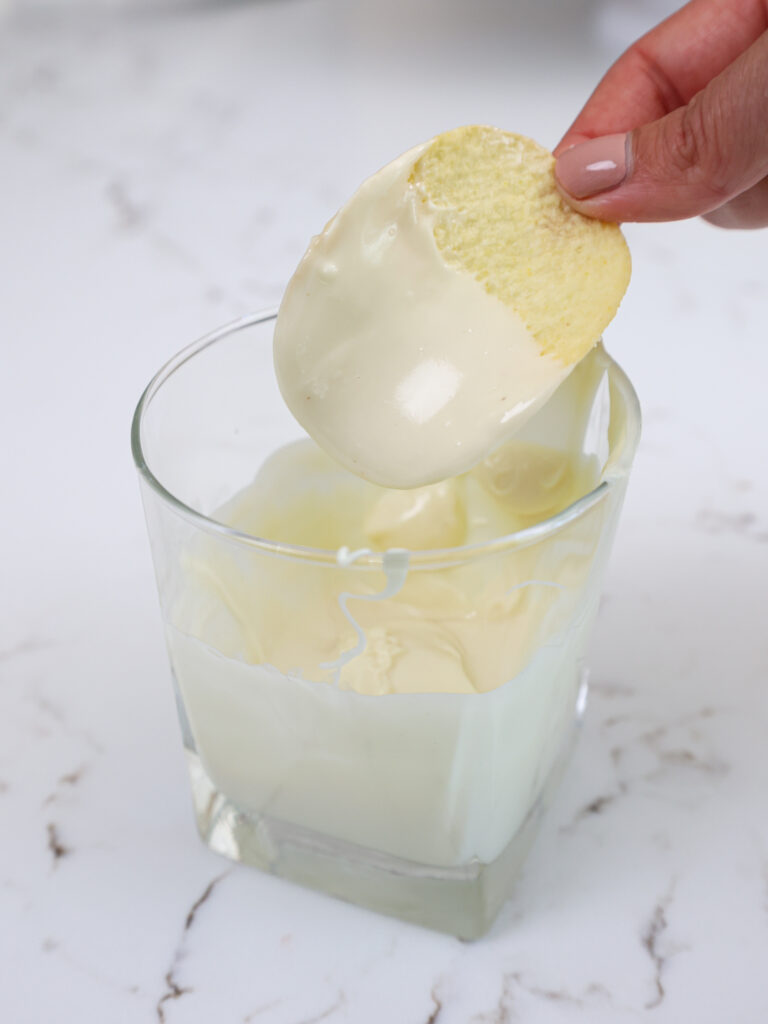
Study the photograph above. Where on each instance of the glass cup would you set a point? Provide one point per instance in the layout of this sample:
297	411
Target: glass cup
417	804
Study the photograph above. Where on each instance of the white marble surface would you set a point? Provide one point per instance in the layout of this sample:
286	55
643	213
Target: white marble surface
161	172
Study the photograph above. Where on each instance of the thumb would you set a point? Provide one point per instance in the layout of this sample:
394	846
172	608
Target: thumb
690	162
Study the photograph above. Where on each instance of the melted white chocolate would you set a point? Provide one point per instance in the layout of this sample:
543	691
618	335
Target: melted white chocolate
463	631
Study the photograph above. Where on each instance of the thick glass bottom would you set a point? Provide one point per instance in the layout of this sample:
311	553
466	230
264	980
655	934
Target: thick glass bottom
462	901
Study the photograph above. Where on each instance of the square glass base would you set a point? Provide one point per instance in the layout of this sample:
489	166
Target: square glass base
463	901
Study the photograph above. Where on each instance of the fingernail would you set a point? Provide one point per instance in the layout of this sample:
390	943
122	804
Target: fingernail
593	167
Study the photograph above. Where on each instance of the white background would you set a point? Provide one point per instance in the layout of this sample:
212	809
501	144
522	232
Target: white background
161	170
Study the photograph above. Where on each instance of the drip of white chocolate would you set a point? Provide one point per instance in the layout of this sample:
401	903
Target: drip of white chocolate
463	630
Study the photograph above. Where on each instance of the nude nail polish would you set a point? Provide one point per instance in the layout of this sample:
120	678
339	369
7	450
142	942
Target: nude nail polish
593	167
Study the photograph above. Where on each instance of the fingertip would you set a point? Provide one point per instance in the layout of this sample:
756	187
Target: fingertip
599	208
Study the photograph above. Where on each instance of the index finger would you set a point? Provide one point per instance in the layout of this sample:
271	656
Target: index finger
666	67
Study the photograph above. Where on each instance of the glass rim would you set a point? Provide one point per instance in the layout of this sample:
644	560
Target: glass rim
428	557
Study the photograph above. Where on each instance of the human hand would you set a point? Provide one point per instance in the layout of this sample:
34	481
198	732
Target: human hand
679	124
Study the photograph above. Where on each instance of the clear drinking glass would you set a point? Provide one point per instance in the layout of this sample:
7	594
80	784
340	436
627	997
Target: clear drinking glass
421	805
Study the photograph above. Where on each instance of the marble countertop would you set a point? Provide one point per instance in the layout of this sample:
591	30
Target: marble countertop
162	168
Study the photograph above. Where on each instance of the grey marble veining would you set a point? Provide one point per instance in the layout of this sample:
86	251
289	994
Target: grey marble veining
162	172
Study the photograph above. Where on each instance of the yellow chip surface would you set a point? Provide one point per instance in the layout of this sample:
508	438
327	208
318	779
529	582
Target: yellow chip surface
500	217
